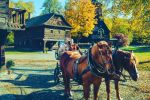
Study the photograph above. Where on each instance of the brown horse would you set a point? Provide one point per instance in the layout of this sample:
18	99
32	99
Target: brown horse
89	70
122	60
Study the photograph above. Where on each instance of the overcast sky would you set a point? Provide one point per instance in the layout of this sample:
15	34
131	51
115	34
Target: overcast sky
38	5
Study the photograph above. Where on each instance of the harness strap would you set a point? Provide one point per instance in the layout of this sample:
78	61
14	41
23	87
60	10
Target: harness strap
85	71
75	69
77	76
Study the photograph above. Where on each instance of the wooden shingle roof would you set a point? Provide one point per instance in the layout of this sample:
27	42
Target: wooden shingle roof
41	20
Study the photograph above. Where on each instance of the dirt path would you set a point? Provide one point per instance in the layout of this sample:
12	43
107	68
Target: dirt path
36	83
32	79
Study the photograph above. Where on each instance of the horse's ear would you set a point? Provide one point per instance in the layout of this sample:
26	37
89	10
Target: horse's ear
99	45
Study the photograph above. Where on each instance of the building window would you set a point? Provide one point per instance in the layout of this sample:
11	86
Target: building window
19	43
51	31
59	31
101	33
24	42
67	32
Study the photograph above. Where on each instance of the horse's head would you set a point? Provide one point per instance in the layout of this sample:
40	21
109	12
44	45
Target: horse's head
102	53
130	65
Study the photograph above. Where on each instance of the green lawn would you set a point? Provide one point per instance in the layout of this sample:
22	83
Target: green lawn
20	51
143	56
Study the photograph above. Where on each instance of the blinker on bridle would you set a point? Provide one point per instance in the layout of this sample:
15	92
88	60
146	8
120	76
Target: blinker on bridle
101	54
95	68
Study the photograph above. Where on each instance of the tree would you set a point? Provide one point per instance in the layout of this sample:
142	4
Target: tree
123	39
81	16
28	6
135	12
140	18
10	39
51	6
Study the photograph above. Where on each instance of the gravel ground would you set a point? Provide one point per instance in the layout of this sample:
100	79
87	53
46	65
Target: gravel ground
32	79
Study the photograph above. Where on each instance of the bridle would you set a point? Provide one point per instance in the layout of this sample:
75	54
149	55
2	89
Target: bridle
120	71
104	62
98	69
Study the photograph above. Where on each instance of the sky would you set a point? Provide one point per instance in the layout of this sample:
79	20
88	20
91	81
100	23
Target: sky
38	5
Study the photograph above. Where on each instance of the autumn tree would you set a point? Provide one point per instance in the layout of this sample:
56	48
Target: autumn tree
81	16
135	13
51	6
139	10
28	6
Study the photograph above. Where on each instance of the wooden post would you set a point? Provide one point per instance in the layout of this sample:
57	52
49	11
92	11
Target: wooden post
17	15
10	16
44	47
14	18
23	18
20	18
2	55
3	36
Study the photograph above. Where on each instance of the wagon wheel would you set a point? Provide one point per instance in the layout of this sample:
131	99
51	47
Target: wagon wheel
56	75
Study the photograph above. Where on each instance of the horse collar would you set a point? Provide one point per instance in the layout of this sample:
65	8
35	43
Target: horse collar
96	69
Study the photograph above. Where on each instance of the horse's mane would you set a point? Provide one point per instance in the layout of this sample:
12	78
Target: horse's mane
126	53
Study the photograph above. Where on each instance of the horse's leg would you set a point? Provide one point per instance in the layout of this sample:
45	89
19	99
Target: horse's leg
96	88
66	80
107	82
117	89
86	89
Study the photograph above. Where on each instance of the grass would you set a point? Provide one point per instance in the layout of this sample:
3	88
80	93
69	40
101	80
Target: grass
143	56
20	51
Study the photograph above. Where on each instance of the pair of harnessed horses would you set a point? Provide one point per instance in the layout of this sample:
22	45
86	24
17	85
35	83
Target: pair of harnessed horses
98	63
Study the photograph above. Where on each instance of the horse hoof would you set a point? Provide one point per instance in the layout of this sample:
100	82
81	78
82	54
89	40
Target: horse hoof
120	99
68	97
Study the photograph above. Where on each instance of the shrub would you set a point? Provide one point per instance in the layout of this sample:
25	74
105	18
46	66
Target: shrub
123	39
10	63
141	39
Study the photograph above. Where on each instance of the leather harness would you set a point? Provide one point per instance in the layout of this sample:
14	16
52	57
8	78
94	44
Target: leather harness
97	70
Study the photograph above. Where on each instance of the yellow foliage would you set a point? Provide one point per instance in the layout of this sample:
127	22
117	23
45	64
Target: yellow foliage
108	22
28	6
80	14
